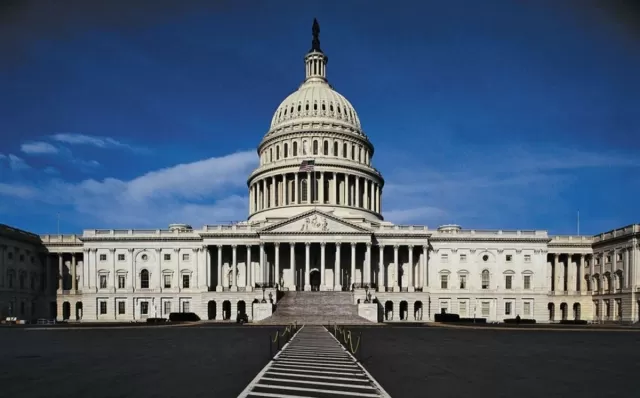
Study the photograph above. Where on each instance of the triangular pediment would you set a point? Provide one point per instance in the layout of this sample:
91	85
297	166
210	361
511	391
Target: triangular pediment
315	222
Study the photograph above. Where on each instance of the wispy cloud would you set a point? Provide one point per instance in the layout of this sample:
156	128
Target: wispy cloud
200	192
99	142
15	163
38	148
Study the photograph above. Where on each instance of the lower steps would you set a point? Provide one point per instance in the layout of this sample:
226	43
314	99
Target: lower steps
316	308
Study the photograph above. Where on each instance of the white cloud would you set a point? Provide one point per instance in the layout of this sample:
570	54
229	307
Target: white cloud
15	163
38	148
197	193
100	142
18	190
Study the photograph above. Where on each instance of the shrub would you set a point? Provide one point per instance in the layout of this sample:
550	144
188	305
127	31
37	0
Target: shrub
183	317
446	317
472	320
573	322
156	320
523	321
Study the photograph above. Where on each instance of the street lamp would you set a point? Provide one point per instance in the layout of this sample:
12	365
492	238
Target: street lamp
366	294
264	288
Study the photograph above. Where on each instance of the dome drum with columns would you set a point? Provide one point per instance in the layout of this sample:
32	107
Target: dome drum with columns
315	223
315	155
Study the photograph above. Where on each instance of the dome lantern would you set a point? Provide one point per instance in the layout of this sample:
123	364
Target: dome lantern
315	61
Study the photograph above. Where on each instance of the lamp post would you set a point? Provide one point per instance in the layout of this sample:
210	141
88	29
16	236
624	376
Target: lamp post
264	288
366	294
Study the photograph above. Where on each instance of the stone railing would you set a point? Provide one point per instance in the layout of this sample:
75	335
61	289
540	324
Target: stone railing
571	239
159	233
52	239
495	233
628	230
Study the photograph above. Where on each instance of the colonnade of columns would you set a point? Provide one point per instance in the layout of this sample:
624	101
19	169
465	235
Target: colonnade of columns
566	272
329	188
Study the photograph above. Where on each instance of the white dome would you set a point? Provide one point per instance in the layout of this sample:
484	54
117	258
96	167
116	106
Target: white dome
313	100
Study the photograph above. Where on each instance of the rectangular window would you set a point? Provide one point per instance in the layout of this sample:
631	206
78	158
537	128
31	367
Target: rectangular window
527	281
120	257
443	281
186	306
619	257
103	257
444	307
507	308
462	308
463	258
167	257
527	308
486	308
444	258
509	258
463	281
167	307
185	257
121	281
103	307
121	307
527	258
144	307
185	281
103	281
167	281
508	279
608	259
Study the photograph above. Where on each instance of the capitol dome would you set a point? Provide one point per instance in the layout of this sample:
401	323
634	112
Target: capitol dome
315	154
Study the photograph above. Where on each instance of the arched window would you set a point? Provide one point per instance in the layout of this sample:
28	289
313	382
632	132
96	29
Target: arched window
306	108
295	148
485	279
277	152
335	149
344	150
353	152
286	150
144	279
315	107
299	108
303	191
270	154
291	109
324	108
360	155
326	148
331	108
315	147
339	109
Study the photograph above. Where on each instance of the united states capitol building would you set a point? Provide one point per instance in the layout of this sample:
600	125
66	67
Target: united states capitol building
315	224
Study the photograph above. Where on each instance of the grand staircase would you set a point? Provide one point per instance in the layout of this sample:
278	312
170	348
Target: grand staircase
316	308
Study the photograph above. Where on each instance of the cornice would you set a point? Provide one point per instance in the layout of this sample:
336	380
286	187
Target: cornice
503	238
128	238
320	162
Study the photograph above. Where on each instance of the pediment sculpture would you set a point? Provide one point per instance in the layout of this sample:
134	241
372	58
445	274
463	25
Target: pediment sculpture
315	223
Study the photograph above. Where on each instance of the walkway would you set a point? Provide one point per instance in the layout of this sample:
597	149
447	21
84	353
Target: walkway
313	365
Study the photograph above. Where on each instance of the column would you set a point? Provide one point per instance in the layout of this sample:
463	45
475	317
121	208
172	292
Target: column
74	282
249	271
285	189
592	269
277	277
425	267
132	272
335	189
625	268
272	192
556	273
309	188
358	197
85	269
603	268
410	276
580	273
296	189
322	266
571	283
307	282
321	189
337	286
159	263
263	188
219	270
396	287
367	265
207	266
112	253
234	265
60	274
178	276
352	280
261	267
292	261
381	278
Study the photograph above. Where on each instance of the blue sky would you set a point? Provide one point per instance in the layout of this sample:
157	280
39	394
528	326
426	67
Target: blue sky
492	115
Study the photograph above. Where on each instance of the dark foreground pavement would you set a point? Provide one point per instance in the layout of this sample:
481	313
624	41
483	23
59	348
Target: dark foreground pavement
190	361
438	362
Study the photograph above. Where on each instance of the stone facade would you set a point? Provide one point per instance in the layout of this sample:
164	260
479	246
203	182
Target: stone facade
315	223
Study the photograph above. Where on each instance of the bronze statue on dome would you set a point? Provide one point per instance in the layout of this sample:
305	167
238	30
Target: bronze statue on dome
315	44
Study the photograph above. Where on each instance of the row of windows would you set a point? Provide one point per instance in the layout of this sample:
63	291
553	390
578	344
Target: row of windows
144	307
22	280
486	281
144	257
144	281
21	257
463	257
354	152
485	308
337	111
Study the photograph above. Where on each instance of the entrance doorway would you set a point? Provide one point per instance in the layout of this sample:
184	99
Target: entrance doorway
314	280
